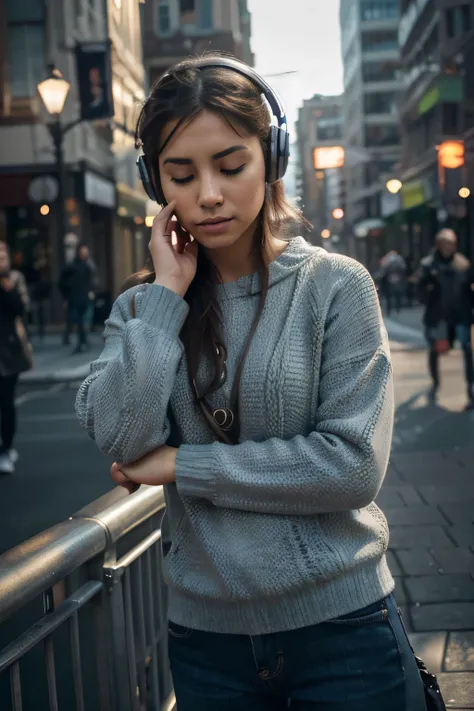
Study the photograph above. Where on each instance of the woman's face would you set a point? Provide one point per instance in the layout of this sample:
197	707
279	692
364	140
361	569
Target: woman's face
217	178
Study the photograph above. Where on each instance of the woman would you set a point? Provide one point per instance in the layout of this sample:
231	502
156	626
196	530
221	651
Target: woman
251	376
13	360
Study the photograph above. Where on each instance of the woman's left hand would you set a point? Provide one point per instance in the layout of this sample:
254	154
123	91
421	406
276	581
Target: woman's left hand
155	469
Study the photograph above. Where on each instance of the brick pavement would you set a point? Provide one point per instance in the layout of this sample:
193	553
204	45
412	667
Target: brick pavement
428	499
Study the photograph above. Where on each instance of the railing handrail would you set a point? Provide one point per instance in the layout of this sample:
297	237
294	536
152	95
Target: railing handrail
37	564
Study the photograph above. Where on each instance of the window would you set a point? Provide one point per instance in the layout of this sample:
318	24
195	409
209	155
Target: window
466	14
458	20
186	6
380	71
327	133
205	14
380	103
371	10
381	136
379	41
450	119
25	53
26	66
164	23
450	31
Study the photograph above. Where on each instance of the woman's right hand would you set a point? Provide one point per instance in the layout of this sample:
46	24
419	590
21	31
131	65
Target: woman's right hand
175	264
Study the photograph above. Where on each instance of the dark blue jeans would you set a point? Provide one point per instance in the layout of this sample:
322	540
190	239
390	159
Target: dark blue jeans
359	662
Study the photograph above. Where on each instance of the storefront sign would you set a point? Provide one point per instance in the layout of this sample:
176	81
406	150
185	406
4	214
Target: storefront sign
99	191
413	194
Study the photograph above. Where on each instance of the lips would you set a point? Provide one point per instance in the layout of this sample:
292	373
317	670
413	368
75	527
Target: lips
215	221
216	225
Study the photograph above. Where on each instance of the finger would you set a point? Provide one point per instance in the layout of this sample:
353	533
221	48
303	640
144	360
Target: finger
161	229
182	239
123	481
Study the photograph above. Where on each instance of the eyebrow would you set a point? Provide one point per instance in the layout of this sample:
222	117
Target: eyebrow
216	156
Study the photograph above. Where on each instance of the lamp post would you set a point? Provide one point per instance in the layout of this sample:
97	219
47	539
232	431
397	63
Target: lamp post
53	92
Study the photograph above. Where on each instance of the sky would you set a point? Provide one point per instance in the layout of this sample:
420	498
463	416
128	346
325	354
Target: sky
301	35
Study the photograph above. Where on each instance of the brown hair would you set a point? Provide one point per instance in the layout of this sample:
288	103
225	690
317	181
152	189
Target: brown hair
181	95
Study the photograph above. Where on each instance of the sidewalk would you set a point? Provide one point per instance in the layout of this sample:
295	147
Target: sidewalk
53	362
406	328
428	499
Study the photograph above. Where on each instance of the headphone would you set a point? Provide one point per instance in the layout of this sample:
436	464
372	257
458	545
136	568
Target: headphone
278	137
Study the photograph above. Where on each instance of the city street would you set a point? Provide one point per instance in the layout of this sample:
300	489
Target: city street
428	497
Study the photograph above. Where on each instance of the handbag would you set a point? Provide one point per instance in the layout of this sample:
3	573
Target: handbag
16	353
433	697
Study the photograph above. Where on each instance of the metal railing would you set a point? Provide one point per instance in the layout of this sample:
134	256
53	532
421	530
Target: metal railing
99	577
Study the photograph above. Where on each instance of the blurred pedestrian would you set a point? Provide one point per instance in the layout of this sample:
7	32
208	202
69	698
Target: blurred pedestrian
393	280
37	273
77	288
15	354
251	376
446	287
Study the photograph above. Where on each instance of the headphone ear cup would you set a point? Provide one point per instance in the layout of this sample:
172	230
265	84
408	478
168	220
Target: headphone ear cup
146	178
272	156
278	154
283	151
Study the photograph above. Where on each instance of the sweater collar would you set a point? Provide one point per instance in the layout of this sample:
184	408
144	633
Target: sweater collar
297	253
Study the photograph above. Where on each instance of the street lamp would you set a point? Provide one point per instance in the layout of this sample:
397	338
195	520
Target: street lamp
53	92
394	186
338	213
325	234
464	193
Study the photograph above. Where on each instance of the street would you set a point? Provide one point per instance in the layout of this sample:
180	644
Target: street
428	498
60	469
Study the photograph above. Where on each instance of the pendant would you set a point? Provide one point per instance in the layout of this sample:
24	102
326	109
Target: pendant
224	417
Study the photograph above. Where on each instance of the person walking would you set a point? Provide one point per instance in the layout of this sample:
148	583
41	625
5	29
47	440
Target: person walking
251	376
394	281
446	288
77	288
14	355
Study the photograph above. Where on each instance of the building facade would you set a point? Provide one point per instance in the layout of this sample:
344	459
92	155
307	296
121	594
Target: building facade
372	85
320	178
436	112
175	29
97	155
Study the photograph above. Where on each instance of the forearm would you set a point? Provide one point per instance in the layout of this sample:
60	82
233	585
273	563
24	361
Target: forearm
123	404
339	466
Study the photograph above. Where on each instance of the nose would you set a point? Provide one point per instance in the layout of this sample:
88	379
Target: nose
210	191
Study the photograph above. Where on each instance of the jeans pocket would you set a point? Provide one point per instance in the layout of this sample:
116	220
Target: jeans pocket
178	631
375	613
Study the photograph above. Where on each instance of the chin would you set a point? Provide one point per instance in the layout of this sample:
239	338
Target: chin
219	241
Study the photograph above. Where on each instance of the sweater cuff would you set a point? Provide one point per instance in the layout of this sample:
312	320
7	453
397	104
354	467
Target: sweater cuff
163	309
196	471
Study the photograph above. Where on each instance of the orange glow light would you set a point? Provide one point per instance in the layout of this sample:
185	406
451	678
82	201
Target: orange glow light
451	154
326	157
338	213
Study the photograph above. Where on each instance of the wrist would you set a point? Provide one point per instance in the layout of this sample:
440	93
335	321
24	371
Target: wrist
171	285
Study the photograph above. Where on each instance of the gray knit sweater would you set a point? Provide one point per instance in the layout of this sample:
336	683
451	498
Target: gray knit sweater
279	531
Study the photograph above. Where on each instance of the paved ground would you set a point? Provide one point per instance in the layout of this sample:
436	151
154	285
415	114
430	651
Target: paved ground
54	362
428	499
428	496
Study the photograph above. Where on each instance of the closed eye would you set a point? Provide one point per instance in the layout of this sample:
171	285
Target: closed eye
182	181
189	178
234	171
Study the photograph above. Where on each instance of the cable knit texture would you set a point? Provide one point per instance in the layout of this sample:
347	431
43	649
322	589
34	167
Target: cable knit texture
279	531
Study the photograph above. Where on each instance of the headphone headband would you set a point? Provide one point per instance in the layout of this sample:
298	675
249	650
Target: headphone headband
235	65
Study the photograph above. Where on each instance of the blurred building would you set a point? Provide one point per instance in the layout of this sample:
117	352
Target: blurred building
102	204
175	29
437	109
372	85
320	178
